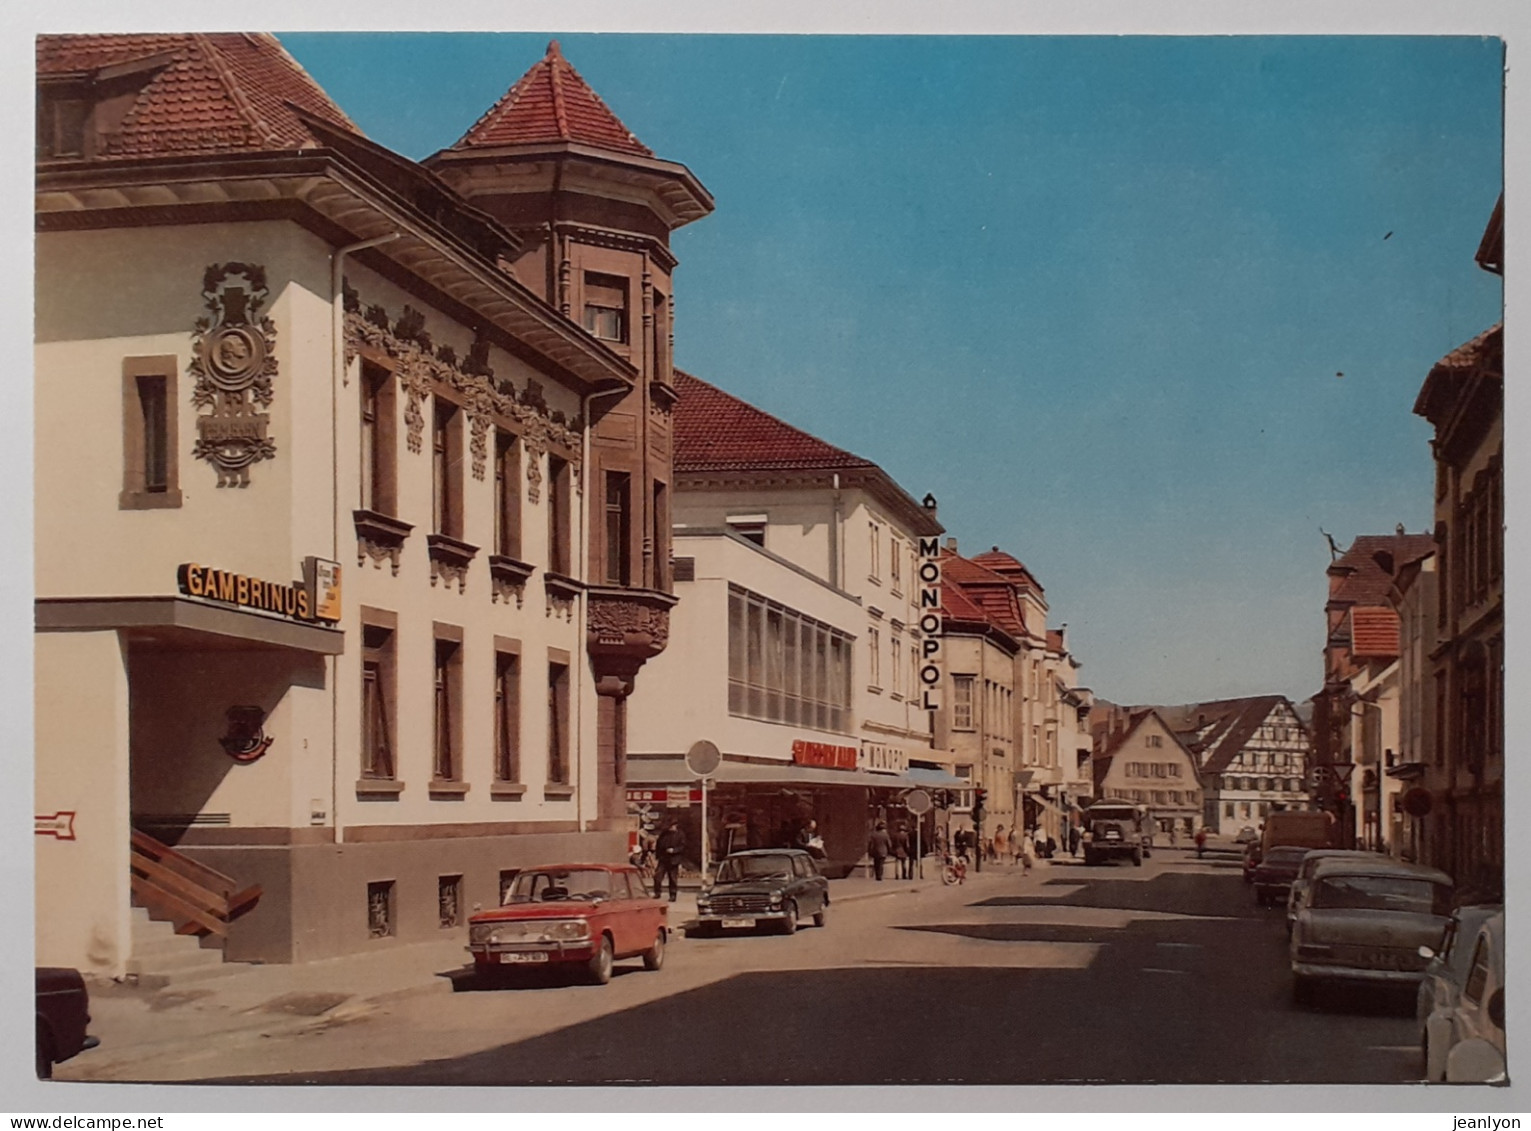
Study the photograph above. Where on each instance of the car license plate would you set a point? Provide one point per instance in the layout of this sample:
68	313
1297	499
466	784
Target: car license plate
738	922
524	956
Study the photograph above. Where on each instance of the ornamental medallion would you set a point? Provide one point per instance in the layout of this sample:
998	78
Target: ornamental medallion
233	362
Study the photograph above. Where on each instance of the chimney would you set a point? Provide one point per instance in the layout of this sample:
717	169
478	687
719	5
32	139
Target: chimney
1400	530
951	545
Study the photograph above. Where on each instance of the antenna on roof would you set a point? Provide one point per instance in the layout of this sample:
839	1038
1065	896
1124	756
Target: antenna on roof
1334	550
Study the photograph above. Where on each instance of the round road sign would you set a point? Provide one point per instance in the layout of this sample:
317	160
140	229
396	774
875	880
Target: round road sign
917	801
703	758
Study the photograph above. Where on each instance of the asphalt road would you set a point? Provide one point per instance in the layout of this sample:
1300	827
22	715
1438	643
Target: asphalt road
1167	973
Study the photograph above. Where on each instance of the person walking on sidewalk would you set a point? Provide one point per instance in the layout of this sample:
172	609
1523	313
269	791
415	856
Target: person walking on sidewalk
1028	855
1201	841
1073	840
879	847
668	849
1001	843
903	851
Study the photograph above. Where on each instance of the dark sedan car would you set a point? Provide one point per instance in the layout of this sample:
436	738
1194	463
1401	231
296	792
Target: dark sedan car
63	1013
763	886
1274	874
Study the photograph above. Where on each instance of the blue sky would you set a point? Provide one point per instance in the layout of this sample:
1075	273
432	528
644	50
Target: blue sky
1094	293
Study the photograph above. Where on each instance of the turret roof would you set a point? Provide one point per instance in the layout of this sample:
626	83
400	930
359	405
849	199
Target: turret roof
550	103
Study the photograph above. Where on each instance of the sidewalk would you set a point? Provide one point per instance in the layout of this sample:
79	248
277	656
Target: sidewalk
328	991
136	1025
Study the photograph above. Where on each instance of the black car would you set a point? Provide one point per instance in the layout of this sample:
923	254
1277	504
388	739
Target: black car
63	1013
765	886
1274	874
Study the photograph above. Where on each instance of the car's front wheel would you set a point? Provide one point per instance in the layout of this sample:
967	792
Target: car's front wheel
599	966
653	958
44	1054
789	918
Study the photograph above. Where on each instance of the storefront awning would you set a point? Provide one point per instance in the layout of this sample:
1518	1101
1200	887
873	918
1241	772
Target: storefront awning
177	620
673	771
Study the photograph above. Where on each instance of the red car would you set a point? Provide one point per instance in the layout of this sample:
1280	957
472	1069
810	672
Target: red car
579	915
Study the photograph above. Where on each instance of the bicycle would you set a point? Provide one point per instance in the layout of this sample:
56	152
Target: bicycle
954	869
644	862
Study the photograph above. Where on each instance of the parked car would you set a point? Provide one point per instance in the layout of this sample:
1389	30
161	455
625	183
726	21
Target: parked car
1364	922
1247	835
1274	874
776	886
63	1015
1461	999
579	915
1310	863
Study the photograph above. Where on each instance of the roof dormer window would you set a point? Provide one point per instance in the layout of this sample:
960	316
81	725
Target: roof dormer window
61	117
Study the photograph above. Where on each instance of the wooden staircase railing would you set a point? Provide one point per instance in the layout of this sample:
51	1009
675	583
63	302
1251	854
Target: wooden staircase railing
199	900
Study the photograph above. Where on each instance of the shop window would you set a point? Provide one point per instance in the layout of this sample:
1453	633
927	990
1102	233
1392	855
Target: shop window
507	716
380	910
150	473
378	437
619	532
378	697
559	533
447	764
606	306
507	494
449	901
446	467
962	702
558	724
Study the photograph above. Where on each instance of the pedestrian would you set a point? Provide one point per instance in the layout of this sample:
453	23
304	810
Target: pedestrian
1001	843
1201	841
1172	834
1028	855
1073	840
668	850
1052	847
903	850
879	847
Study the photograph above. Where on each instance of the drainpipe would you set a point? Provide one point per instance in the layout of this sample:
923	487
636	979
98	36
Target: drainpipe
337	376
834	535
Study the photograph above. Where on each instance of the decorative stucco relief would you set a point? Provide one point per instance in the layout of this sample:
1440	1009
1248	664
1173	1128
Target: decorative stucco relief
421	365
233	361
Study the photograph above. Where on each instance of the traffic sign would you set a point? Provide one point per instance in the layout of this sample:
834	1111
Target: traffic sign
918	802
703	758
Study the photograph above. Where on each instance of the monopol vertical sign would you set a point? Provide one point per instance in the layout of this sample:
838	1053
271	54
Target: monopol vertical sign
931	661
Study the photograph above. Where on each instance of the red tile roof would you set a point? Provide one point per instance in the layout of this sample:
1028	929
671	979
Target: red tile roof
715	431
1365	572
1007	565
1055	639
551	102
1373	632
204	93
988	590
